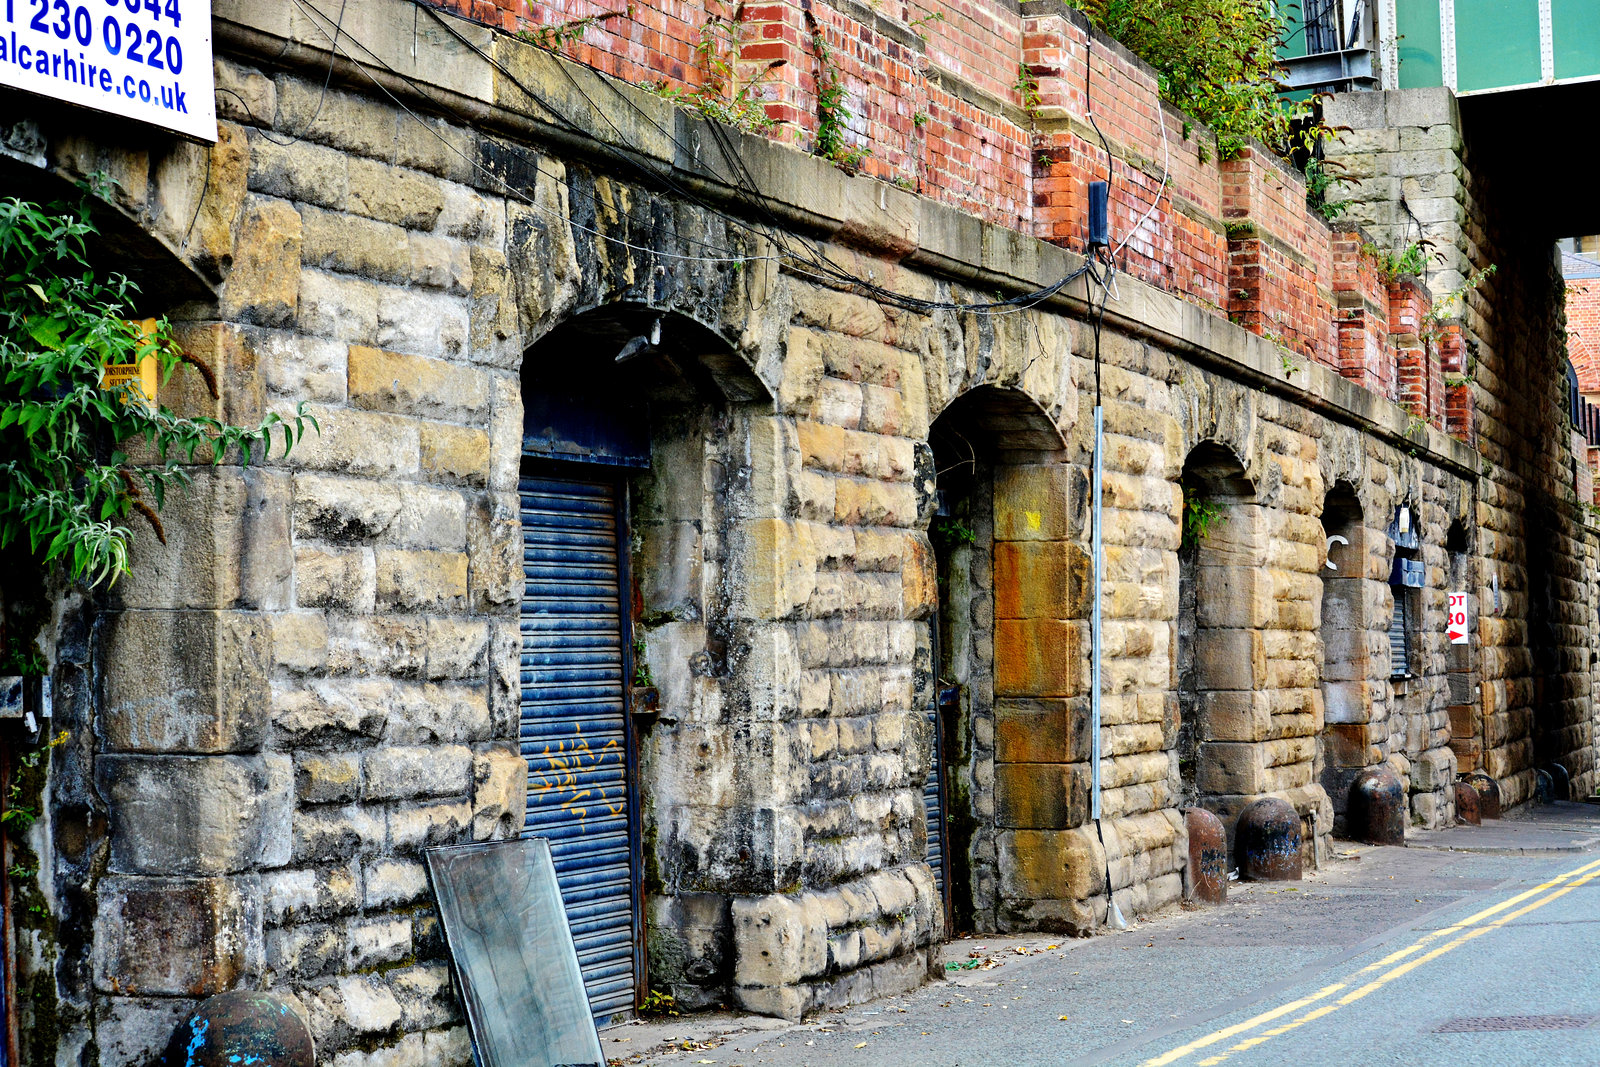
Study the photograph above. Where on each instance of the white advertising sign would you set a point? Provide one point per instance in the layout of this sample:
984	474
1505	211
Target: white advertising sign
148	60
1457	630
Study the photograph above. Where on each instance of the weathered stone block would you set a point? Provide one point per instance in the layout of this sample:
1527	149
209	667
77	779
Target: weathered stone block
1039	503
264	285
1230	659
1235	715
499	792
1041	731
1229	767
767	933
314	893
395	773
227	545
176	936
186	681
1039	657
454	453
341	578
394	882
327	777
1042	796
1233	597
421	580
417	385
1050	864
1039	579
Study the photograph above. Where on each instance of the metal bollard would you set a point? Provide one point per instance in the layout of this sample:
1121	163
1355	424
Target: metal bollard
1560	781
1376	812
1267	841
1208	857
241	1027
1467	804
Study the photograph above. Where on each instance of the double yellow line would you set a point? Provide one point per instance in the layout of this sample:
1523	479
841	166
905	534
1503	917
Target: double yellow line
1391	966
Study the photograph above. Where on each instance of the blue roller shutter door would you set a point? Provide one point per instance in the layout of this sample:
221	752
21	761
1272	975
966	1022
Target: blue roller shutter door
574	727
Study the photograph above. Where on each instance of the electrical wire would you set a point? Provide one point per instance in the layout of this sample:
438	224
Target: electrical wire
826	269
512	190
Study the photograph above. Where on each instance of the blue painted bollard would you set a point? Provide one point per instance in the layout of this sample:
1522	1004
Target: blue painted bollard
241	1027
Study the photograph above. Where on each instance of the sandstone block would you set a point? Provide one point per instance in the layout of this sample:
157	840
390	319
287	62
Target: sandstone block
1039	657
499	793
344	579
310	893
423	826
394	194
1039	503
1040	796
1039	579
176	936
378	645
1042	730
185	681
361	443
328	834
396	772
420	580
1050	865
394	882
1235	715
227	545
1233	597
264	285
1230	659
458	454
327	777
417	385
767	934
196	815
1229	767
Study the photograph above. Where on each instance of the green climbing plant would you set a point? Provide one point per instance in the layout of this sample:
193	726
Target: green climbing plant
79	459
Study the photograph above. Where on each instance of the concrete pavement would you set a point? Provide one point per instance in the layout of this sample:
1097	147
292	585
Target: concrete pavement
1479	948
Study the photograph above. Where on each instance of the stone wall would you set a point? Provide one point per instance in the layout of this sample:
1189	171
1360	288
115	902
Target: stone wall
317	676
1417	177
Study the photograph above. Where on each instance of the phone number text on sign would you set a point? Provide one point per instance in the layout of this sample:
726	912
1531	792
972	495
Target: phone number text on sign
148	60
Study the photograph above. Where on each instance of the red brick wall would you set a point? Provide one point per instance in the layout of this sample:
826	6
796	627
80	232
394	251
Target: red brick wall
1583	332
938	103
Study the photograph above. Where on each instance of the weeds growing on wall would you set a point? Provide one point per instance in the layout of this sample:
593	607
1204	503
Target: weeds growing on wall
1217	60
1394	264
723	96
558	35
833	118
1200	517
1321	178
68	481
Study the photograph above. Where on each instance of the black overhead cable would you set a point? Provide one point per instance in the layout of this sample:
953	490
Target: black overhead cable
800	263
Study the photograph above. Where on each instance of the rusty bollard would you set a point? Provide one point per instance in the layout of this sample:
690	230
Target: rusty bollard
1560	781
1376	813
1208	857
1488	794
1267	841
242	1027
1467	804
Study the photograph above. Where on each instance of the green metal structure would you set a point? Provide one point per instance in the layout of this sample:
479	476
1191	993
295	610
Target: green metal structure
1471	46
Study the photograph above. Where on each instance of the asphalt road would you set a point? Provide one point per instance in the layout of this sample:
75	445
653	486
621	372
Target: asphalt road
1385	956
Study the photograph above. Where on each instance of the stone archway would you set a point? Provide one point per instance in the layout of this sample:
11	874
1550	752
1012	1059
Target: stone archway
1224	602
627	639
1347	669
1010	768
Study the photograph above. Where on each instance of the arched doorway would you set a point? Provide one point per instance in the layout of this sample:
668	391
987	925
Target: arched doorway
1002	694
625	409
1346	747
1223	711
